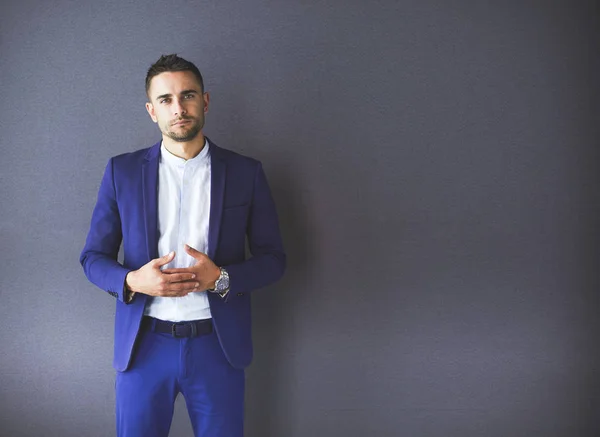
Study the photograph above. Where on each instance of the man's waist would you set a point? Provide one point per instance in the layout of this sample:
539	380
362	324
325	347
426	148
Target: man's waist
191	328
194	306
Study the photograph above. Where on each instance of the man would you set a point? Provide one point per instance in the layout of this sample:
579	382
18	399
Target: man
183	210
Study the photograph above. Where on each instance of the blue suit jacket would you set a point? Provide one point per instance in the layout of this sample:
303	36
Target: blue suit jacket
241	207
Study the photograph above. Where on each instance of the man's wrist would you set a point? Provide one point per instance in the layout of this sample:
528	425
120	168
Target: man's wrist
130	280
222	285
128	292
213	283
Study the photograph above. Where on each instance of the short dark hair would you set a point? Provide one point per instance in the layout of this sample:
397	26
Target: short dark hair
172	63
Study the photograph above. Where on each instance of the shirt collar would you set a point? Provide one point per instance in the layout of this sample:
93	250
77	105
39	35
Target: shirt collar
168	157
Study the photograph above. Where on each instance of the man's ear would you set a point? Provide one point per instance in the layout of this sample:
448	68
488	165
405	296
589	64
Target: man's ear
150	109
206	99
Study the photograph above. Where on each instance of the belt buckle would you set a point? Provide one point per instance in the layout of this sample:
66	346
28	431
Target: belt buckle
193	331
174	330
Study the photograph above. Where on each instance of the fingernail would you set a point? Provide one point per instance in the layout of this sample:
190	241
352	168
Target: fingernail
197	285
193	276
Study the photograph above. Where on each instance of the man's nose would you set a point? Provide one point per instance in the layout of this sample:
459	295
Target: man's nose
178	108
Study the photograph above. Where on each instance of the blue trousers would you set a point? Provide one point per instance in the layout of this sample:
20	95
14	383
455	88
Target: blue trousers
196	367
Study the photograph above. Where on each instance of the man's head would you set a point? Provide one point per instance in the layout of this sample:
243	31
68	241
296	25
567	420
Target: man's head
176	98
171	63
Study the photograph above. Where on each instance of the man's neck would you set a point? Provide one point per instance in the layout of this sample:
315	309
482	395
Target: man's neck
186	150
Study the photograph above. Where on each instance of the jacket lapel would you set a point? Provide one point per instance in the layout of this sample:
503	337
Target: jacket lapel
217	191
150	196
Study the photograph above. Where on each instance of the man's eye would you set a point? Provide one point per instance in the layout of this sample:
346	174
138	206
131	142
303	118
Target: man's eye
188	96
164	100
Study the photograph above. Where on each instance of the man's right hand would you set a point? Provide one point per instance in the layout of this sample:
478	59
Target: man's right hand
150	280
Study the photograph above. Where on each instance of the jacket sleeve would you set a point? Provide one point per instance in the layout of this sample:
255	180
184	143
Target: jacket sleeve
268	261
99	256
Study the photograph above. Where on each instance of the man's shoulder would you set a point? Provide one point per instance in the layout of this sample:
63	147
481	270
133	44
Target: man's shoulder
135	156
141	155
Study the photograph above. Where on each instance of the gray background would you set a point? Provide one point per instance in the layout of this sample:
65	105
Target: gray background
434	165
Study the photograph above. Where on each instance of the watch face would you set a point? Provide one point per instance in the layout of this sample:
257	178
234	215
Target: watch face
223	282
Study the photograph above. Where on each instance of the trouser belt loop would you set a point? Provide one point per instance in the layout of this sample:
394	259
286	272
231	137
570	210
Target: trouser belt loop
194	330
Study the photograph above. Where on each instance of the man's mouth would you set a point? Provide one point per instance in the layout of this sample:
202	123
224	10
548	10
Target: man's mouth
180	122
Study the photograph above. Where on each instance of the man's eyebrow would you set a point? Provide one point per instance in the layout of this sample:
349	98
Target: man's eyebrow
162	96
184	92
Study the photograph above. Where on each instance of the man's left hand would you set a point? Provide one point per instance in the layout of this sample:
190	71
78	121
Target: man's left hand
205	269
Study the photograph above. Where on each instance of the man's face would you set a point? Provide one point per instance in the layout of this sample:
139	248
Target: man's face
177	104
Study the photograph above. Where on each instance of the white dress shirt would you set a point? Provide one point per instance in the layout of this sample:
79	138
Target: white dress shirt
183	218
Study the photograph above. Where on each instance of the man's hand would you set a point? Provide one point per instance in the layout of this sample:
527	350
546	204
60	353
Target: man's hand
150	280
205	270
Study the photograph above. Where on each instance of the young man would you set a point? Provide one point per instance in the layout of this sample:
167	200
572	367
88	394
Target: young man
183	210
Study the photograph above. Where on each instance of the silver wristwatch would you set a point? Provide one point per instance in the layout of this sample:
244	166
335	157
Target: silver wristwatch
221	284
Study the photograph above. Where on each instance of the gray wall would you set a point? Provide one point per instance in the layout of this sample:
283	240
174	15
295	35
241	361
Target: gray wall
435	170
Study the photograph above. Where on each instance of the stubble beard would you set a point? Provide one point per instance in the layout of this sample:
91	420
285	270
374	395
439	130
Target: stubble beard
186	134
